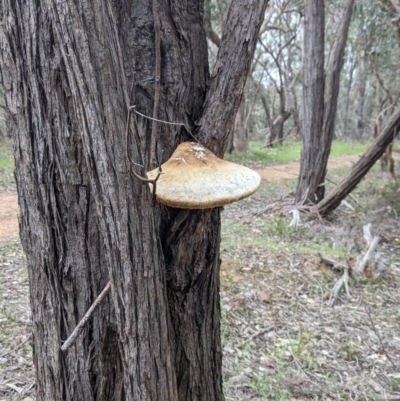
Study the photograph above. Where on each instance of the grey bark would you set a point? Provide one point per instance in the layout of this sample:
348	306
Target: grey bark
67	68
240	134
313	97
317	140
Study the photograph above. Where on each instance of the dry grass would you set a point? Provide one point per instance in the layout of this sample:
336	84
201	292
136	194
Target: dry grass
16	368
281	340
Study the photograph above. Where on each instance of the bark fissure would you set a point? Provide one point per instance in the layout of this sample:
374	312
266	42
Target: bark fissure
319	108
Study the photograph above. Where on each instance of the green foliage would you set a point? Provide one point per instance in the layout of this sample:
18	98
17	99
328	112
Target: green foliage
289	151
259	153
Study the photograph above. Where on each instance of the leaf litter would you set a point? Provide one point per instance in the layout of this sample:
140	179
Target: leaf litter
281	340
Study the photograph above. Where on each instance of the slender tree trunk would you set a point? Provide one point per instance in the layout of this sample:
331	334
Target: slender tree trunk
279	123
347	102
67	68
362	84
240	134
270	133
316	142
313	97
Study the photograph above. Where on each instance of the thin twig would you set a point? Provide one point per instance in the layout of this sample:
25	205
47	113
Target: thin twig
17	347
255	335
132	163
167	122
379	337
343	282
335	265
71	339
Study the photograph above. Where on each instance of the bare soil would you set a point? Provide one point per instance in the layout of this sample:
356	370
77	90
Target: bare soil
9	210
282	341
292	170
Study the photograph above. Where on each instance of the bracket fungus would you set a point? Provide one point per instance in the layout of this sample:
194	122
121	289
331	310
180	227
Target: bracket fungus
195	178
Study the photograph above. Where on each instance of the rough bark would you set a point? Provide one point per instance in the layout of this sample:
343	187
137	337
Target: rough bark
191	238
362	167
240	134
67	68
313	96
317	144
227	79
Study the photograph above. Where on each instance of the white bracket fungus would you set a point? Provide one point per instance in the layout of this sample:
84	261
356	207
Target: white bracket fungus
194	178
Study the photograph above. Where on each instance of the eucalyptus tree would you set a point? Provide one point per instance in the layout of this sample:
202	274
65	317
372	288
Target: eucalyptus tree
320	96
70	71
384	54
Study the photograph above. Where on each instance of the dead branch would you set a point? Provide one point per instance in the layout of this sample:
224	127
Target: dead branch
78	329
343	282
372	261
333	263
132	163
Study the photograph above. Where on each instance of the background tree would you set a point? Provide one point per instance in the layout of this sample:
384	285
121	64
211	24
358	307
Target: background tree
319	106
276	68
384	136
67	71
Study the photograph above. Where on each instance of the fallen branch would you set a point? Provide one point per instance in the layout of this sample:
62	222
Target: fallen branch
255	335
372	260
335	265
343	282
361	168
71	339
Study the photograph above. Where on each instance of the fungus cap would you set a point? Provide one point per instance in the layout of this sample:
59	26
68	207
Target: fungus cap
194	178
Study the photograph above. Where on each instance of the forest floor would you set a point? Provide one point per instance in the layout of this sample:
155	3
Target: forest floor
281	339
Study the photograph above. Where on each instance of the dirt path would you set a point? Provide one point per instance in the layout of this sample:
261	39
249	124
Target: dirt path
9	204
292	170
9	211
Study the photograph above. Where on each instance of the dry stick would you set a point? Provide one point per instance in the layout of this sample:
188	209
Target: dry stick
257	334
379	337
335	265
167	122
17	347
132	163
71	339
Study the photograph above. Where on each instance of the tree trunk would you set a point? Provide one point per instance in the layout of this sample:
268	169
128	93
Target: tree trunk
240	135
347	102
362	167
279	124
317	142
362	85
313	98
67	69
